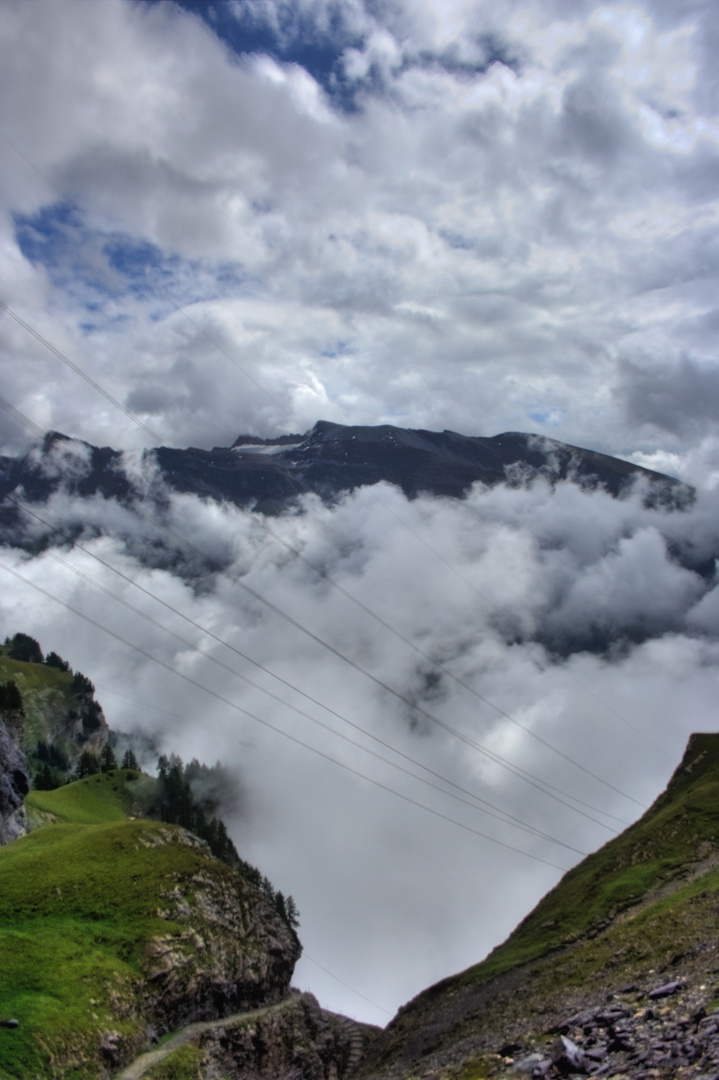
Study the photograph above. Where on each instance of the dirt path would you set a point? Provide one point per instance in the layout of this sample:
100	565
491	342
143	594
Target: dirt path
144	1062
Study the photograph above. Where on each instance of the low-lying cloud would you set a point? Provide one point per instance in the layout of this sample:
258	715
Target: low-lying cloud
491	680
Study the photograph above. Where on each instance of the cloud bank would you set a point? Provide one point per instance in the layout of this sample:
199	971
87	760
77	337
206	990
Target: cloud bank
248	216
546	651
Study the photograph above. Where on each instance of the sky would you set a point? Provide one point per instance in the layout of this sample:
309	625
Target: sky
244	217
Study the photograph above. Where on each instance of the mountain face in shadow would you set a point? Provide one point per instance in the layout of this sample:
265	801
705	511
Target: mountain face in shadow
332	459
329	460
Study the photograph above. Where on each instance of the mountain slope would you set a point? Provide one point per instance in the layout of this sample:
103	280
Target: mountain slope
328	460
639	912
57	706
43	705
119	929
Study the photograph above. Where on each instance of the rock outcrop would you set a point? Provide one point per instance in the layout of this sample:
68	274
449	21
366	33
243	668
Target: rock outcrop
301	1041
53	708
14	784
154	934
232	950
294	1038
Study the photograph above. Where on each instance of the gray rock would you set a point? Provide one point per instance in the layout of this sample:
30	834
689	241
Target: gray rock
14	785
667	989
568	1058
532	1062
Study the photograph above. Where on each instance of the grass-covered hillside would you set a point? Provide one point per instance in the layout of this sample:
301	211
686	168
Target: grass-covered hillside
640	910
112	928
51	708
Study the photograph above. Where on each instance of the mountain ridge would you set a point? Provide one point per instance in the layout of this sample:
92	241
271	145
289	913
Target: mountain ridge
634	917
328	460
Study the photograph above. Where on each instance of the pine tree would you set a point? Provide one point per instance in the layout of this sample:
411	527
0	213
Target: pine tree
129	761
55	661
24	647
45	779
108	761
293	914
10	698
87	765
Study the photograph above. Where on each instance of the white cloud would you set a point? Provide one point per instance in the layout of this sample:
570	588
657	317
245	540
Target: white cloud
476	585
425	240
483	245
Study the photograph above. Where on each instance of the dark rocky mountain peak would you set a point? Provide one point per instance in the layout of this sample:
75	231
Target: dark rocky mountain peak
328	460
271	475
332	458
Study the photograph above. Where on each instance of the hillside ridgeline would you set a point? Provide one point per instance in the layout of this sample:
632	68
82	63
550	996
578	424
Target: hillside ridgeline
117	930
49	718
620	961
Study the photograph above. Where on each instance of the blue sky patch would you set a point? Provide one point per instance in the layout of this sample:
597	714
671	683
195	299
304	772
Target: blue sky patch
96	267
294	39
548	417
292	36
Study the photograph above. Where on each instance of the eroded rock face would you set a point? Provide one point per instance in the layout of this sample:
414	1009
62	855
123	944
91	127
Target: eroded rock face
300	1040
14	785
234	953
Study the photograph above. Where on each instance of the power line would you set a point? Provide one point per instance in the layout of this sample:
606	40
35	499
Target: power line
502	815
435	663
306	956
63	195
21	418
545	787
79	371
495	607
227	356
505	818
273	727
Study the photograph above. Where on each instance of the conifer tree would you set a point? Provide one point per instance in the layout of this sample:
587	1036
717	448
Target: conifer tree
129	761
108	761
87	765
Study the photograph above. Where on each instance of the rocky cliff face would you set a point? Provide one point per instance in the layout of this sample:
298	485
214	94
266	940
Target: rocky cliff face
294	1039
14	784
49	711
232	950
131	930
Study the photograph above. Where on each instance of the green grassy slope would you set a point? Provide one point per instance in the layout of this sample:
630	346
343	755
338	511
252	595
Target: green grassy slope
46	693
97	800
58	710
79	901
677	833
644	904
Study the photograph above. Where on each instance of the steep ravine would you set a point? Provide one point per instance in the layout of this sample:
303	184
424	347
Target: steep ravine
122	938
